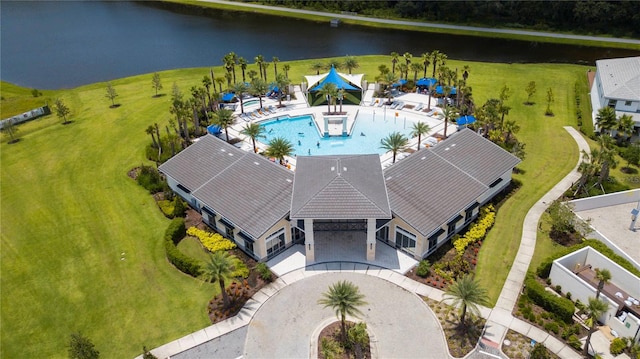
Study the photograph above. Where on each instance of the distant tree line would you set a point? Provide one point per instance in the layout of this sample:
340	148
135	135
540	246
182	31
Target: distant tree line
618	18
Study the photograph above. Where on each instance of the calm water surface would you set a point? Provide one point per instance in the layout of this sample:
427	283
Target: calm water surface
65	44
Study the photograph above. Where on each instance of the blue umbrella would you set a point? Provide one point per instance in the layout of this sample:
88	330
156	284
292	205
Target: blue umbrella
440	90
465	120
214	129
430	81
228	97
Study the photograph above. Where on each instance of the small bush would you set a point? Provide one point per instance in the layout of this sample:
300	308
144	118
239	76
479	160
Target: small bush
568	295
241	270
552	327
179	208
561	307
264	271
150	179
424	267
574	342
167	208
558	288
618	345
211	241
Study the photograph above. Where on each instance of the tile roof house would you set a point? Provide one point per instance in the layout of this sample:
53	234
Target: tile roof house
415	205
617	85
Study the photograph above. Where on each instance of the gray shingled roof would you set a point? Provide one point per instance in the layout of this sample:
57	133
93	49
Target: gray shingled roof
620	78
339	187
430	186
477	157
247	189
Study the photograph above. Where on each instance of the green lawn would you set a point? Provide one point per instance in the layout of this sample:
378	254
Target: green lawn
69	210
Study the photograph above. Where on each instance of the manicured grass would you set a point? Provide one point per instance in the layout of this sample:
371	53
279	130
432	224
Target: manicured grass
238	7
191	247
69	210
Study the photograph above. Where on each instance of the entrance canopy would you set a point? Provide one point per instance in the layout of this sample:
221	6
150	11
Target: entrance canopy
342	81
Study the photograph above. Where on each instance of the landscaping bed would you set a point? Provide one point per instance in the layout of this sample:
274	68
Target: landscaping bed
518	346
332	333
460	340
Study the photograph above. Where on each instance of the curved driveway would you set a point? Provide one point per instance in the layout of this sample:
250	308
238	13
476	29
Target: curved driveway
401	322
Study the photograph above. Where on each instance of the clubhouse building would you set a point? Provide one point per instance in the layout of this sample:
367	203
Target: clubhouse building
415	205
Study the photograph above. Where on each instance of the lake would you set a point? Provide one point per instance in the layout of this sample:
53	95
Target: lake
51	44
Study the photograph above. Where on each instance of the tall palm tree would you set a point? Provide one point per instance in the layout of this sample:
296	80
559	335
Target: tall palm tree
351	63
330	92
279	147
265	66
465	72
415	67
218	269
224	118
259	60
394	142
286	69
432	88
595	309
388	80
407	58
603	276
510	127
404	70
626	126
606	119
419	128
281	82
426	61
344	297
466	293
242	62
275	61
149	131
394	60
449	113
258	88
317	67
239	89
605	157
435	57
207	82
253	130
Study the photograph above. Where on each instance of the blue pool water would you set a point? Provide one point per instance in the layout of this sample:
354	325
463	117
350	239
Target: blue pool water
250	102
364	139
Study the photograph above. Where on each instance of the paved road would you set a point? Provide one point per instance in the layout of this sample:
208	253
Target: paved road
430	24
401	322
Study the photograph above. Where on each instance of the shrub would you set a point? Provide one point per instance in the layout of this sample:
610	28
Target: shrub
552	327
241	270
558	288
478	230
167	208
212	241
172	236
179	208
264	271
574	342
561	307
424	267
618	345
150	179
539	351
568	295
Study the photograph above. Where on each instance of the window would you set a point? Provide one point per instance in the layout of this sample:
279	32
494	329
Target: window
433	240
405	240
495	183
468	213
612	103
383	234
183	188
451	226
228	226
275	243
297	235
627	103
248	241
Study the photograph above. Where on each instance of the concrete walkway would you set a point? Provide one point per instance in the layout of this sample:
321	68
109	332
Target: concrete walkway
499	319
329	15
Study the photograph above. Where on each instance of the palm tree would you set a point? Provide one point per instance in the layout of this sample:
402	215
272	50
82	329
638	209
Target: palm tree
275	61
253	130
242	62
207	82
419	128
394	60
388	80
626	125
317	67
415	67
239	89
432	88
259	60
594	310
603	276
344	297
436	56
426	61
407	58
218	269
466	293
449	113
151	131
351	63
258	88
606	119
605	157
281	82
279	147
330	92
224	118
395	142
265	66
510	127
286	69
404	70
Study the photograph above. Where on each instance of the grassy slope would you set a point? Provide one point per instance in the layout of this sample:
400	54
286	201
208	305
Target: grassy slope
69	210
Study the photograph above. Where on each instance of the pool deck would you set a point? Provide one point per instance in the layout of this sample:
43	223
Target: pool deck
300	107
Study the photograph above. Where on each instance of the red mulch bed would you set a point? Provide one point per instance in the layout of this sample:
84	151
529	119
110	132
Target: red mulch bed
332	331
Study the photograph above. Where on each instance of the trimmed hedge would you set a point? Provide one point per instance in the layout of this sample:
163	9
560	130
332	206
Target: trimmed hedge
172	236
544	268
563	308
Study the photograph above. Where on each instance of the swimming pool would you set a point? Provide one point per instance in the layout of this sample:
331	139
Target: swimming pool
365	137
251	102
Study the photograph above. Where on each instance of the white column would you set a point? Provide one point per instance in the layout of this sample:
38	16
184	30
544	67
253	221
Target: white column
308	240
371	239
344	126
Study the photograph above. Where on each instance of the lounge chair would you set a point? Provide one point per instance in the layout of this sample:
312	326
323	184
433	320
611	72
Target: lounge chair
395	104
419	107
373	102
400	106
381	103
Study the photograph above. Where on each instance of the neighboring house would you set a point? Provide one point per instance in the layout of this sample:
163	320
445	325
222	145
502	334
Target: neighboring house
617	85
575	273
415	205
